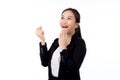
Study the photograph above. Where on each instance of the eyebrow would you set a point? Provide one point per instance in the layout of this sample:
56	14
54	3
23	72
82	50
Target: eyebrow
68	16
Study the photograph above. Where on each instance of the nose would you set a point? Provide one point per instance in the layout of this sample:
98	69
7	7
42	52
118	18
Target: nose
64	22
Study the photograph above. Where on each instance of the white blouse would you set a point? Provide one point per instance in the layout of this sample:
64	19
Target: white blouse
55	62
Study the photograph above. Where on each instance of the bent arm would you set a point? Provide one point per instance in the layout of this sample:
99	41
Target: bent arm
45	54
73	62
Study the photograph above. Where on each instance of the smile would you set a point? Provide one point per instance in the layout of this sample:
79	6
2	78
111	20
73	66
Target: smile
64	26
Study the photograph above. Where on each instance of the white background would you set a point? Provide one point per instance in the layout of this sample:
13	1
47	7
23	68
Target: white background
19	49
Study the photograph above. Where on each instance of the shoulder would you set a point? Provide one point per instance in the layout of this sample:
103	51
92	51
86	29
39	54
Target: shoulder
80	45
54	45
55	42
80	42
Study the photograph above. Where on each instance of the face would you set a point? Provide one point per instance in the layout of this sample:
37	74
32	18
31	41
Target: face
68	22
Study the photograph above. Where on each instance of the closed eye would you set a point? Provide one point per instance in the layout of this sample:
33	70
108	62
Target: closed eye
62	18
69	18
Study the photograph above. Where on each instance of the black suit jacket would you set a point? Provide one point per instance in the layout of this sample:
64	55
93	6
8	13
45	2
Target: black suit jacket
71	58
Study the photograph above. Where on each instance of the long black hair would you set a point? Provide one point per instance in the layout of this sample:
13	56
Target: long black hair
77	18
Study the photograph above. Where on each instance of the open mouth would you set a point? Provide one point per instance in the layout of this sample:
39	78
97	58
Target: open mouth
64	26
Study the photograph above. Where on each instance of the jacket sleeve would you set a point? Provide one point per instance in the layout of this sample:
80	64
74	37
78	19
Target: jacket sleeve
43	54
73	63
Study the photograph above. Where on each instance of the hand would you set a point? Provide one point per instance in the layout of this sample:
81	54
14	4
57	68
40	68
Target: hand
64	40
40	34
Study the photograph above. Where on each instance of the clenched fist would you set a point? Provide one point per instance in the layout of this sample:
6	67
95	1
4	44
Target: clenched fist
40	34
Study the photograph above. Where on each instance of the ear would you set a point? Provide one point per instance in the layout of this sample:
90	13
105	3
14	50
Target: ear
76	25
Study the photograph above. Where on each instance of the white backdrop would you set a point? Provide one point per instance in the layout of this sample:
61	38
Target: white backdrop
19	49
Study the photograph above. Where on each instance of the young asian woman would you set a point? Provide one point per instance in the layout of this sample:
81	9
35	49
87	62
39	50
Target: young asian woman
66	54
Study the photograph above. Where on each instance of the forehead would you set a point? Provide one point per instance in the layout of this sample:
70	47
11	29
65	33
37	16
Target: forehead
68	13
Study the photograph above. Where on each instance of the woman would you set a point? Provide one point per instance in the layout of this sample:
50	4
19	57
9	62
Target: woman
67	52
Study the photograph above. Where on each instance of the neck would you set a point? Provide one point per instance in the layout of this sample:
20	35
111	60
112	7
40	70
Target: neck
71	34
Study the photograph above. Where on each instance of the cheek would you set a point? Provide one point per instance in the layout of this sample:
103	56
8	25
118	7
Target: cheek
72	25
71	29
60	23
